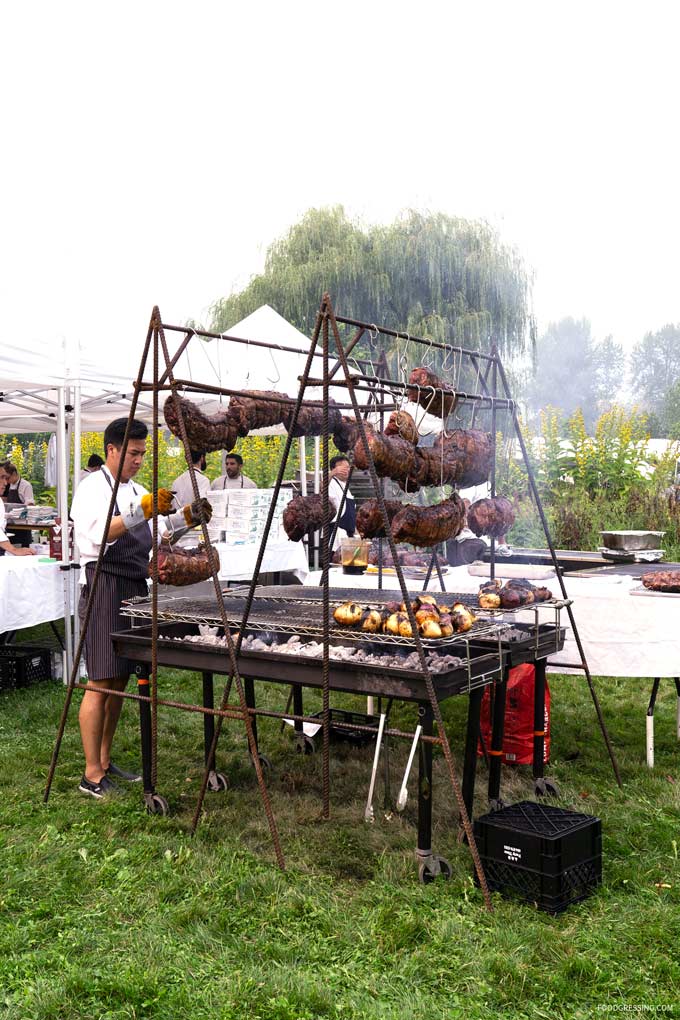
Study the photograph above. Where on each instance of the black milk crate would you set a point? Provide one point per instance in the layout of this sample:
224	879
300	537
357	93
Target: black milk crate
21	665
544	854
344	733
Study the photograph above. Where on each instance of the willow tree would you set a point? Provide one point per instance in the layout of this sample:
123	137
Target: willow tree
433	275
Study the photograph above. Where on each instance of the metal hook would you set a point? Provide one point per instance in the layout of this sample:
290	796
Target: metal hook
278	372
427	364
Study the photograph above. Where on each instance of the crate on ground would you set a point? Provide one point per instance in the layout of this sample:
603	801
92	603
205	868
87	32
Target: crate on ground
21	665
544	854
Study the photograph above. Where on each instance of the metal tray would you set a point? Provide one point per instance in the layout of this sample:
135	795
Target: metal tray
631	540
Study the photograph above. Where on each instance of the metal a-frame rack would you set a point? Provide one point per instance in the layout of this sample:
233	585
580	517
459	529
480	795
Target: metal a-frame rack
148	694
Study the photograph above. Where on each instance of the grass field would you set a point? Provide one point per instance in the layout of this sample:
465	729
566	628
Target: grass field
108	913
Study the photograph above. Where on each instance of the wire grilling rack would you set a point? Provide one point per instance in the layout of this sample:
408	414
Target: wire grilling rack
274	614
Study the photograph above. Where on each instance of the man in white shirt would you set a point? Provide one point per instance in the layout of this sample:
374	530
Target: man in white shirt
5	544
344	525
123	574
94	463
234	477
182	487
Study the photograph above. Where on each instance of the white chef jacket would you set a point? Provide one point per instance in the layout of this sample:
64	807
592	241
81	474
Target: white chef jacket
25	490
90	509
184	493
242	482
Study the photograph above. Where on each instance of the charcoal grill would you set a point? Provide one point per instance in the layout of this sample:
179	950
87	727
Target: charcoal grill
180	617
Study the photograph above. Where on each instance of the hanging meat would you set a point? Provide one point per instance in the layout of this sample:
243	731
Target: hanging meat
257	409
402	424
310	419
370	520
428	525
422	383
393	456
205	432
471	451
493	516
346	433
302	514
179	567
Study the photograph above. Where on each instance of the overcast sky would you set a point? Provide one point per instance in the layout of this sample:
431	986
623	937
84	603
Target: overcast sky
152	151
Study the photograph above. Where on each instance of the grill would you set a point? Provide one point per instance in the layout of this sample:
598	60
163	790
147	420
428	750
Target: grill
272	614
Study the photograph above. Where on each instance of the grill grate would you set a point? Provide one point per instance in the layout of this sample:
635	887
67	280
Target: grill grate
268	613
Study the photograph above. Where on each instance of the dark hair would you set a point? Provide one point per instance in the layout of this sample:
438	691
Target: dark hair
95	461
9	467
234	456
336	460
197	456
115	432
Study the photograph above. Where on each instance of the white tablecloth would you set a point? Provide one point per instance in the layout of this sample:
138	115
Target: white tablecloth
237	562
622	634
30	592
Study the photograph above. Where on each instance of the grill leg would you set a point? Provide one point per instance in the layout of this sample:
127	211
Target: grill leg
496	749
677	713
154	803
217	781
542	785
430	866
650	722
249	691
304	744
471	742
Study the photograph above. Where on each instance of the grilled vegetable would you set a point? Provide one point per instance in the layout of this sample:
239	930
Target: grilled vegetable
348	614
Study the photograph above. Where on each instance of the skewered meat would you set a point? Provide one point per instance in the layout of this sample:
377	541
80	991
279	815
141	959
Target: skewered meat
429	525
662	580
422	382
393	456
178	566
205	432
494	516
310	420
471	451
302	514
402	424
370	520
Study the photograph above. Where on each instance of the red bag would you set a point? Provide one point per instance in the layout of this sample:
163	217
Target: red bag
518	738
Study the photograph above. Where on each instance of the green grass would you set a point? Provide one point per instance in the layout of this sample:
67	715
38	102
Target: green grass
106	912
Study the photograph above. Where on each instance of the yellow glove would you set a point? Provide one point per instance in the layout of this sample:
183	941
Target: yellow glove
192	512
164	503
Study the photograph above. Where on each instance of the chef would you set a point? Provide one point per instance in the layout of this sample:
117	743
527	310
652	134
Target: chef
234	477
123	574
5	544
343	526
182	487
18	492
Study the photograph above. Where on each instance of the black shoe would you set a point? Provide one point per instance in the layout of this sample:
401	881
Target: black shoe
118	773
96	790
109	788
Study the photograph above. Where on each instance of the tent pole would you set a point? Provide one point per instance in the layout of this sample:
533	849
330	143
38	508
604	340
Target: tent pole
303	482
74	573
62	503
317	448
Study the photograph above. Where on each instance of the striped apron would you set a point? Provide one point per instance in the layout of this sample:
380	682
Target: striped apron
125	568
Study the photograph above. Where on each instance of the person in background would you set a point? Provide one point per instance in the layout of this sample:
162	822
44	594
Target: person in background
466	547
123	574
94	464
344	525
233	477
181	486
18	491
5	544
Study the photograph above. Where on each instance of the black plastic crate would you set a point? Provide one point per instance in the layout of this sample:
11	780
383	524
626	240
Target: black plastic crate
344	733
21	665
545	854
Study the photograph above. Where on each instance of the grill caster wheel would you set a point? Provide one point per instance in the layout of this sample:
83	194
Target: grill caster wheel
265	763
433	867
155	804
305	745
545	788
217	782
497	804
